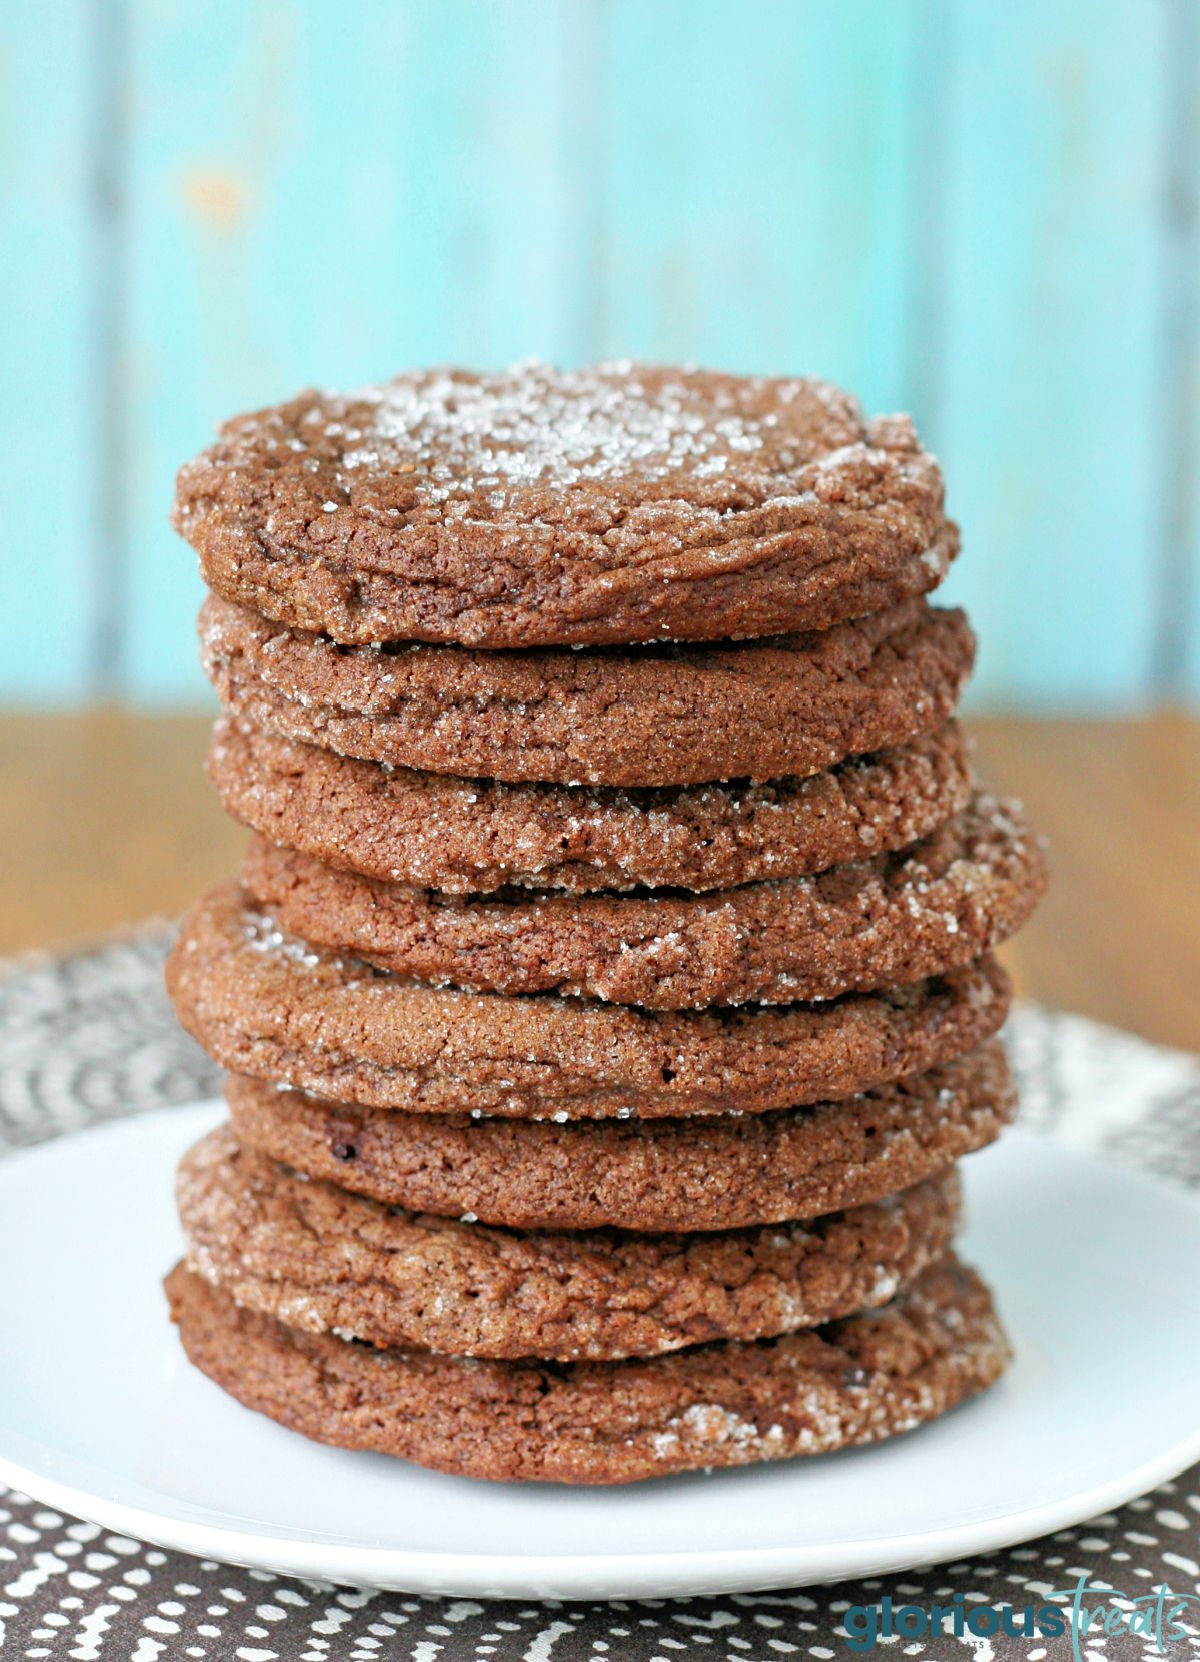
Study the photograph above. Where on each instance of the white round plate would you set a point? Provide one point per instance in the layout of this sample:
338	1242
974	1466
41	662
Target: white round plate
101	1415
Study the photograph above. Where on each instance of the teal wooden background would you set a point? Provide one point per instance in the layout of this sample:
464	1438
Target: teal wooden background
984	212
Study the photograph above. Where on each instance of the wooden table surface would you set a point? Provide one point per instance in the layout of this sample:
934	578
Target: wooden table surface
106	818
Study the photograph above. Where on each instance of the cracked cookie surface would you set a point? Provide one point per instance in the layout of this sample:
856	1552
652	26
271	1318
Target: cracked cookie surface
464	836
853	1381
321	1259
713	1172
268	1004
895	919
642	716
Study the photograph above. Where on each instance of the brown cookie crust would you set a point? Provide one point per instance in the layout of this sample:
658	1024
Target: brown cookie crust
475	836
895	919
658	715
712	1172
621	503
318	1258
269	1005
851	1382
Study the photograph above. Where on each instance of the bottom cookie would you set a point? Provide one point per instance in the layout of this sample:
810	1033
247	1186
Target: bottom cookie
850	1382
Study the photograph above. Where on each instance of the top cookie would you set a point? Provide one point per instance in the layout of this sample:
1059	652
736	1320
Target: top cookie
534	507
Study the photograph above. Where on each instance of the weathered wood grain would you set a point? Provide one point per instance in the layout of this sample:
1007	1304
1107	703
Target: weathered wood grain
987	213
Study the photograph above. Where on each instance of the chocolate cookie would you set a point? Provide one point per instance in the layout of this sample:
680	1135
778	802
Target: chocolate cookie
897	918
660	715
622	503
853	1381
267	1004
715	1172
475	836
324	1260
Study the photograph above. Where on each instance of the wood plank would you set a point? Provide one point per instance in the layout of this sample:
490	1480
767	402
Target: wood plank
755	187
1118	936
323	196
1050	424
106	818
48	483
1179	621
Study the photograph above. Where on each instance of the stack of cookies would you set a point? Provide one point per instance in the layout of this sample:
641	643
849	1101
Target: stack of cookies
608	993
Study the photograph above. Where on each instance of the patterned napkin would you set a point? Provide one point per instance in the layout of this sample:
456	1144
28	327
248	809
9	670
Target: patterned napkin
91	1038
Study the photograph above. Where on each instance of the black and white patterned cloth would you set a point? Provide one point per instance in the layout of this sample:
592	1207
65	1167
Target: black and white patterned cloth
91	1038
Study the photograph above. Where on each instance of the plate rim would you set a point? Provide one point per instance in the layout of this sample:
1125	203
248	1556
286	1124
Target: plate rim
578	1575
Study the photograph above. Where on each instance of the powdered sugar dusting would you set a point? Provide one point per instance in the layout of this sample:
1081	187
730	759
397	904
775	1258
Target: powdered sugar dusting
262	934
710	1423
537	425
